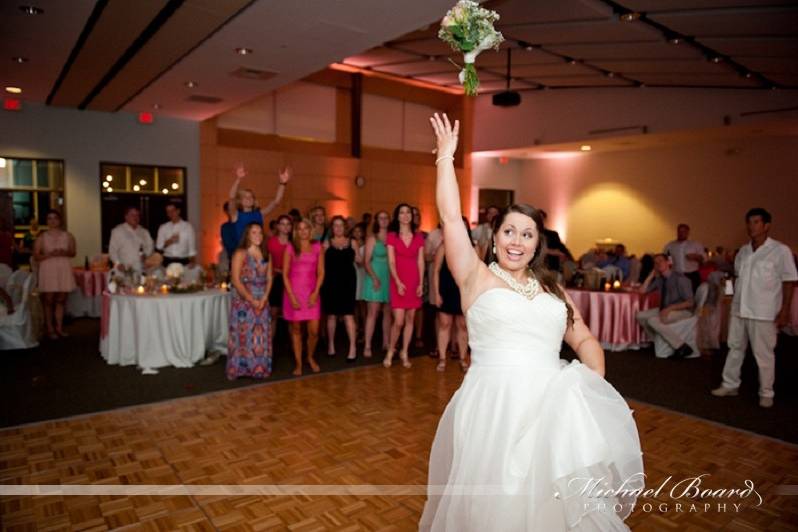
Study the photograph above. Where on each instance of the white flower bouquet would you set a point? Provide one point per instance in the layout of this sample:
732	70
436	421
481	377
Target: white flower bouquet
175	270
468	29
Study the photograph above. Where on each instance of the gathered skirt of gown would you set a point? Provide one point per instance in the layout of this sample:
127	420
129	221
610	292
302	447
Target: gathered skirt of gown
521	439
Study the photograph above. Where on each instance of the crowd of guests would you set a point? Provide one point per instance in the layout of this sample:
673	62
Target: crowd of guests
313	272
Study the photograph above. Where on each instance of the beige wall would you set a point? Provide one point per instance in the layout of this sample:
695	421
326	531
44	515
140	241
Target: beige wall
638	197
578	115
85	138
326	180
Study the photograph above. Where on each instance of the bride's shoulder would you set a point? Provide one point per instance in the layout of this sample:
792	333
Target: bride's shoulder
481	281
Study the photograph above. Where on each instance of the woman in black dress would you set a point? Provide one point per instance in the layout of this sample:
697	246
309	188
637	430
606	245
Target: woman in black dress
340	286
446	296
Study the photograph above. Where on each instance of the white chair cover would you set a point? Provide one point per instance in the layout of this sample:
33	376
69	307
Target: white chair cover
5	273
17	330
685	328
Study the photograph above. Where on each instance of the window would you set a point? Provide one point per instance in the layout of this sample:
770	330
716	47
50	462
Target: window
140	179
148	188
28	189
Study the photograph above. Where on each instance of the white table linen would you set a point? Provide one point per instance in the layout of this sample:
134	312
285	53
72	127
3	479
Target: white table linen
164	330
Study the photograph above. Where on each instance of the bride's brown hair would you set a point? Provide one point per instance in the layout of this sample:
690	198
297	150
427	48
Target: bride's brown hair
537	266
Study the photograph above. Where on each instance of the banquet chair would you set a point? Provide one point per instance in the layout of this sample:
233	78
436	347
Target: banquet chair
5	273
686	328
16	329
613	272
709	320
635	266
192	274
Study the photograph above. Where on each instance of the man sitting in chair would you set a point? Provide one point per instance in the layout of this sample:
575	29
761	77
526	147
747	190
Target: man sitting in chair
676	303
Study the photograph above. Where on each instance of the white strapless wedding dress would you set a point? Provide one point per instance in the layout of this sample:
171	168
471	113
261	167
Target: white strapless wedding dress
521	438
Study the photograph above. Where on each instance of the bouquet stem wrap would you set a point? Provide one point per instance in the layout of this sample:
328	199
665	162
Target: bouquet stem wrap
468	29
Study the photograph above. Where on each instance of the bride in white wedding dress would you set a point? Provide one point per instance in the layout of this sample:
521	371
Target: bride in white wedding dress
528	441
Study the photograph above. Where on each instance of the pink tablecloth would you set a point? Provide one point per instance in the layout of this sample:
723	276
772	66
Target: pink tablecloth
85	300
90	283
610	316
792	327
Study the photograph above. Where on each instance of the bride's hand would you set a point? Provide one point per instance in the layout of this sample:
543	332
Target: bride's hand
445	134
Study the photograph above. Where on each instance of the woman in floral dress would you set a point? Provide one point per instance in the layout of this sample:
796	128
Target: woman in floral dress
248	347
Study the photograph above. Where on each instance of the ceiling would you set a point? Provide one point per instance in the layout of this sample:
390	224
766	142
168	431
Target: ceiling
736	44
112	55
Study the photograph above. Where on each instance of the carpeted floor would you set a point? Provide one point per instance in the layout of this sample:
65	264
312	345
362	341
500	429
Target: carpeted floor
69	377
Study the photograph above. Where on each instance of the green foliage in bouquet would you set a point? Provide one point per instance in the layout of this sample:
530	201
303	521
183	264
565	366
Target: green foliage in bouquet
468	29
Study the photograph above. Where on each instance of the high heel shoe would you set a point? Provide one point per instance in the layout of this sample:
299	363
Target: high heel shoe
405	360
387	360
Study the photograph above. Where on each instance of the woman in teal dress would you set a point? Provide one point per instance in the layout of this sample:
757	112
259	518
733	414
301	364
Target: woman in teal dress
376	281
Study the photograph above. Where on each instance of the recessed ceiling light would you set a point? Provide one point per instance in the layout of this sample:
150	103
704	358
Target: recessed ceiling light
610	74
14	90
142	182
31	10
585	147
716	59
175	186
630	16
106	184
110	189
243	51
191	84
156	106
747	75
109	177
19	59
165	190
673	39
136	188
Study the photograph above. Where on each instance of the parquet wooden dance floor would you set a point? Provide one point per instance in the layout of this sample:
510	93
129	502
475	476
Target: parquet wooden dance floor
363	426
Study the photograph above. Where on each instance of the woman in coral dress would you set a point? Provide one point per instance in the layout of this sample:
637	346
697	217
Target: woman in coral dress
406	263
521	439
53	251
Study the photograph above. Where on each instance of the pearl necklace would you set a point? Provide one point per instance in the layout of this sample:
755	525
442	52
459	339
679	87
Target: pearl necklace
528	290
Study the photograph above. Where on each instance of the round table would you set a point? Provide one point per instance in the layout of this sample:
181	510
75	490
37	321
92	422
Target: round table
611	316
155	331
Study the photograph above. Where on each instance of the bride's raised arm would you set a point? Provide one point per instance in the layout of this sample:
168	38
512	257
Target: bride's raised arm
461	258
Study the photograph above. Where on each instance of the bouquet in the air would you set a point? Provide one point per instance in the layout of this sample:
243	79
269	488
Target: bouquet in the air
468	29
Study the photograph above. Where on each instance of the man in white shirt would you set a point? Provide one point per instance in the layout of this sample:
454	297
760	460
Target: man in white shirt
686	255
130	243
176	240
766	278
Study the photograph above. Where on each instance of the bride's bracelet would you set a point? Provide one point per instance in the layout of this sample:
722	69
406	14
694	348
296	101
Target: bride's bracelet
443	158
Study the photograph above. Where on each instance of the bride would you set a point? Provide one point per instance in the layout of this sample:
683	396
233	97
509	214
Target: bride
528	442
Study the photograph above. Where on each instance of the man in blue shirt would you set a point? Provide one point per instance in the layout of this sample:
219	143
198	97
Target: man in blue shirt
676	303
617	258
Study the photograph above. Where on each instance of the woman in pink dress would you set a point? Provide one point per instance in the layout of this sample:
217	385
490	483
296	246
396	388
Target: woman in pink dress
406	264
303	274
53	250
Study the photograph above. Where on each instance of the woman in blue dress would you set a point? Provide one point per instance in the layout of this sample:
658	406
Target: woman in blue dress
242	207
